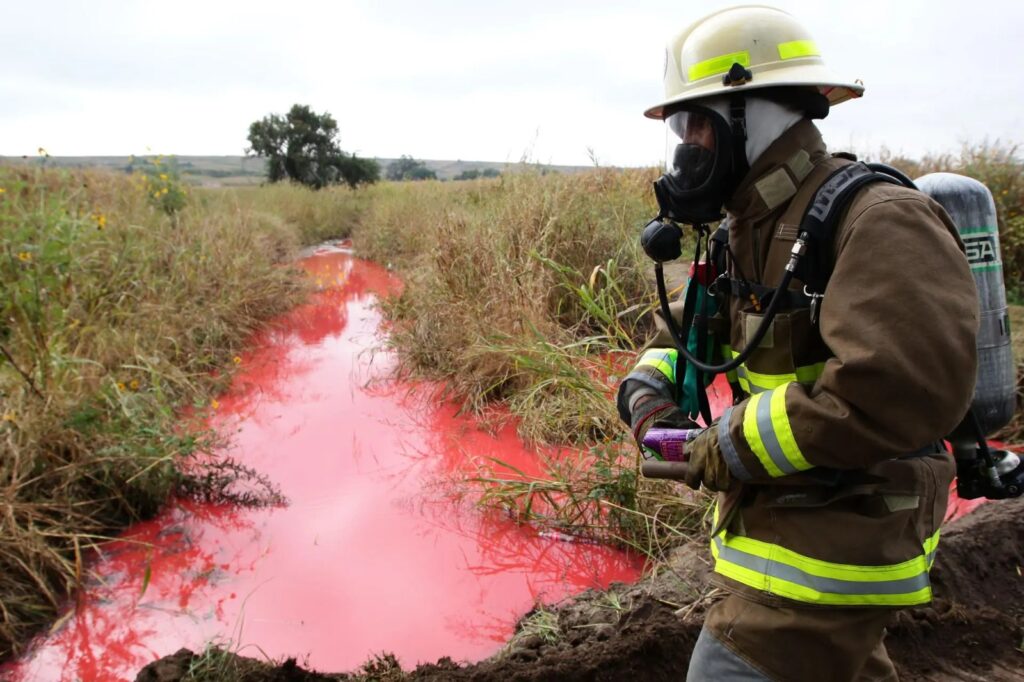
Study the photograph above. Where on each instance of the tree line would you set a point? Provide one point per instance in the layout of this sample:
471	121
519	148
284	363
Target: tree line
303	146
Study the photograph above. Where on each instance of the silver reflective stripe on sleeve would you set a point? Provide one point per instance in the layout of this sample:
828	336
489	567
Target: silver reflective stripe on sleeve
728	448
766	428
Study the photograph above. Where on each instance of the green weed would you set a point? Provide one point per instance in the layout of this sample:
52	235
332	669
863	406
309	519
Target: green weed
596	495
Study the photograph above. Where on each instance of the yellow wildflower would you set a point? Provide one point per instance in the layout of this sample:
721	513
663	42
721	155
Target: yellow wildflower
156	195
9	417
163	176
120	385
214	404
134	385
101	220
2	190
164	191
237	360
25	257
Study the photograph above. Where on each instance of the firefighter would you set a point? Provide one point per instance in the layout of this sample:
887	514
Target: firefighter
831	476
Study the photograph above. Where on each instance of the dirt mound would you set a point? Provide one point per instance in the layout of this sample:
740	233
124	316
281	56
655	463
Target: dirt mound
972	631
973	628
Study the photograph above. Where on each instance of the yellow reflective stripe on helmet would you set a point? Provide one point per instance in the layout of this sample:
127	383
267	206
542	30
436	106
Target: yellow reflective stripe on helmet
768	433
662	360
798	48
716	65
780	571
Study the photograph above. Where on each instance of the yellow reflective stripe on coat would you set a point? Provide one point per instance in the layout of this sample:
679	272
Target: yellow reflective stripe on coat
779	571
798	48
717	65
662	359
767	431
756	382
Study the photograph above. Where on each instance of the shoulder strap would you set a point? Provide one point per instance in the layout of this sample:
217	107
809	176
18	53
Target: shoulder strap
822	217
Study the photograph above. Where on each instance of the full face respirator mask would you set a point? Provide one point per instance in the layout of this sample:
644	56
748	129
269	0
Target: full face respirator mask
704	166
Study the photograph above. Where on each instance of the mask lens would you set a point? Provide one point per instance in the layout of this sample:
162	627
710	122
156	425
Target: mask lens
690	152
693	127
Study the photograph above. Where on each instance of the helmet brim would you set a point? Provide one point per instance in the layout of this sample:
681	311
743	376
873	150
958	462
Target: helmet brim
835	89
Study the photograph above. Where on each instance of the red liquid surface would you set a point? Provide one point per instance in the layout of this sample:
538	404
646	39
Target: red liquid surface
373	552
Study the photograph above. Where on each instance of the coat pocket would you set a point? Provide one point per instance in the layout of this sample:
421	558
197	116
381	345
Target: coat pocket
790	349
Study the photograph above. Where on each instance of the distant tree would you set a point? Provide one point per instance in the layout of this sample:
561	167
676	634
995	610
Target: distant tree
473	174
301	145
408	168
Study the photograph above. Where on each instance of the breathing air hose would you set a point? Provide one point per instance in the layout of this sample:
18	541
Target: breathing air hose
762	329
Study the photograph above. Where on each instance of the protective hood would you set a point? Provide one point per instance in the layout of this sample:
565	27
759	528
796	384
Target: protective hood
766	121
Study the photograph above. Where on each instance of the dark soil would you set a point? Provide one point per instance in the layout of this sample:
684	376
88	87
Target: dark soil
972	630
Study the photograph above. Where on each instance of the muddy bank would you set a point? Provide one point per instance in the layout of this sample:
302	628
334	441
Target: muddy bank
972	631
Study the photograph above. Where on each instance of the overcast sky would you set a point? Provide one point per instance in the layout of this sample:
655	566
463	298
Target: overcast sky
471	80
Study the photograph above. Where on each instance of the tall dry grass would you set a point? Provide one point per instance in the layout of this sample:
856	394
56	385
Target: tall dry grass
516	288
117	309
314	216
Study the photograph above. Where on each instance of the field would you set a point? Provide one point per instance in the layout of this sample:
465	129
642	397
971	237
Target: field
235	171
130	295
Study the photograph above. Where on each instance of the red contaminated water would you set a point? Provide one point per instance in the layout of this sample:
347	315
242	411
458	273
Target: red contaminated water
373	552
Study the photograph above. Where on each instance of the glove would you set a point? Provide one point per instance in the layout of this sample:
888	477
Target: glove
706	464
656	410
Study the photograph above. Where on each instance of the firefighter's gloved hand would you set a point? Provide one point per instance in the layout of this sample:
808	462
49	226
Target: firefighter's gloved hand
656	410
706	464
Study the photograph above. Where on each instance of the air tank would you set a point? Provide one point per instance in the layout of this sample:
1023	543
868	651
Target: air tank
970	205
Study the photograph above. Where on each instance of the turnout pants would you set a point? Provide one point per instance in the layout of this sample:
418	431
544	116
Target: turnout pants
744	641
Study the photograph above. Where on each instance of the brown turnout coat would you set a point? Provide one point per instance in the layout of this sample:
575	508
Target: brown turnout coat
892	364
